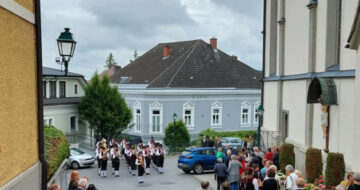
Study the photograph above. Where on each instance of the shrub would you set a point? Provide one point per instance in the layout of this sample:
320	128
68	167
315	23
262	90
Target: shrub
314	164
56	149
181	137
335	169
287	156
212	133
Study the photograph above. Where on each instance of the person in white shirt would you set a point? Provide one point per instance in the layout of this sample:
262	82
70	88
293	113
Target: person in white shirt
290	183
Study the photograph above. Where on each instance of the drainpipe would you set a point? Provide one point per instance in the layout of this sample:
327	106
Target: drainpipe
39	96
263	71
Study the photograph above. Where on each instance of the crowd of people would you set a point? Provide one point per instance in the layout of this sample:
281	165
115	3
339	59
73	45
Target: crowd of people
139	157
76	183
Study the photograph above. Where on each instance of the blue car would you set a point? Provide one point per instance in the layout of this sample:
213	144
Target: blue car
198	159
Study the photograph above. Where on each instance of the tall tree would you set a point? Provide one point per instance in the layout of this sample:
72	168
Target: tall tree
176	138
104	108
135	55
110	61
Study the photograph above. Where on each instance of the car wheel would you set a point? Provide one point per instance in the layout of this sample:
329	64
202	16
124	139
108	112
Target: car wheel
187	171
75	165
198	168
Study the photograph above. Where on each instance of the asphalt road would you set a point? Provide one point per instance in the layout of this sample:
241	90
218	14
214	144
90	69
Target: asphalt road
173	178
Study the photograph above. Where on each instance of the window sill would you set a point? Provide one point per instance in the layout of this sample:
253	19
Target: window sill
216	126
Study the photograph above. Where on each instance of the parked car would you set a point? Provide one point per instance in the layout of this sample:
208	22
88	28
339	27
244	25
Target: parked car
231	142
197	159
79	158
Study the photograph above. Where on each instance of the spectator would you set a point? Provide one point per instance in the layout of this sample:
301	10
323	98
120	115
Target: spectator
244	143
263	169
226	186
269	155
349	181
356	185
290	183
298	173
218	142
91	187
242	161
275	169
235	151
219	154
74	177
250	145
228	158
260	153
205	185
270	183
247	181
211	142
54	187
300	183
220	172
340	187
74	185
87	178
82	184
276	156
257	181
233	171
204	141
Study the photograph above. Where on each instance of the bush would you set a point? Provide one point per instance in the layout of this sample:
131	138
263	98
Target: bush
181	137
56	149
212	133
287	156
335	169
314	164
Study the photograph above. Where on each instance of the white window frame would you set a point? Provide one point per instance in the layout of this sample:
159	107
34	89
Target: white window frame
137	106
76	122
188	106
216	105
156	106
256	107
47	119
245	105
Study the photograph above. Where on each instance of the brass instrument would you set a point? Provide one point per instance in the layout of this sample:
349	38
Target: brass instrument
141	161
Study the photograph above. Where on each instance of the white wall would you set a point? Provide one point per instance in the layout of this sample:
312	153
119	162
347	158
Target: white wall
270	106
294	101
321	36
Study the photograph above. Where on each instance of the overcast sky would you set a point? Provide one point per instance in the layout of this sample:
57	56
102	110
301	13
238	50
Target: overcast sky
123	26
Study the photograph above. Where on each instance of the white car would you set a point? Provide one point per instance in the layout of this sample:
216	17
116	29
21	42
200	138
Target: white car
79	158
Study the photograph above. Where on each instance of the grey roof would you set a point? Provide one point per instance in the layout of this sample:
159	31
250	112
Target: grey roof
61	101
56	72
191	64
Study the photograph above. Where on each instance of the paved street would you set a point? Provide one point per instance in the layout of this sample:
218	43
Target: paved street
173	178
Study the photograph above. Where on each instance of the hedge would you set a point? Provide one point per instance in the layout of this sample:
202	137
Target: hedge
335	169
314	164
287	156
212	133
56	149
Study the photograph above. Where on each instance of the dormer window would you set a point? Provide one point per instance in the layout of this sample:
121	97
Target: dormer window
124	80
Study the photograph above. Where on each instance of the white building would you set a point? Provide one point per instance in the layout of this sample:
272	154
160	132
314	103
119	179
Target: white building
61	97
306	59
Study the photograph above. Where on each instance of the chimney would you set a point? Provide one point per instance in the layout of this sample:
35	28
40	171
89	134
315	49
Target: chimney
213	42
166	51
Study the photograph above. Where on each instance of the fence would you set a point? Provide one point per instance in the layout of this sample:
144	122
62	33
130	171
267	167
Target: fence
60	176
269	139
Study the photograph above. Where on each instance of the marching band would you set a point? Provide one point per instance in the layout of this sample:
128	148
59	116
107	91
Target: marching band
139	157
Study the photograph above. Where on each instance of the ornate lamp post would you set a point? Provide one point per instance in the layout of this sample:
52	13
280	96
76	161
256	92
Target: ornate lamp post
174	117
260	114
66	46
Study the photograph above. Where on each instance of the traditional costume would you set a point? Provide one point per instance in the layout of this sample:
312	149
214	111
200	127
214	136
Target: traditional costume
140	162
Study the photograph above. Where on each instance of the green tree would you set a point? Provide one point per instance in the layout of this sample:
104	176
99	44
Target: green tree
110	61
135	56
104	108
178	137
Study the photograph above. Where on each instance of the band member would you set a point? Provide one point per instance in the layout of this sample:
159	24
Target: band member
112	152
160	159
155	157
147	159
123	144
127	155
140	146
97	156
132	161
116	158
140	162
112	142
104	157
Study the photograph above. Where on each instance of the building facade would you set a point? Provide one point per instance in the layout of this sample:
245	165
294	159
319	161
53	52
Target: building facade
309	83
205	87
61	95
22	163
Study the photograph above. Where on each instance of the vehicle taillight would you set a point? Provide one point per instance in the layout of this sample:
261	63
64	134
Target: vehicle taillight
188	157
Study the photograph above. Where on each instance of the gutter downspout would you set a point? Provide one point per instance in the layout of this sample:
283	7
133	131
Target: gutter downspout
263	72
39	96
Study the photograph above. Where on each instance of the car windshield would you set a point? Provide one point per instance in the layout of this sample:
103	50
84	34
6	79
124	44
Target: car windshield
235	141
76	151
186	152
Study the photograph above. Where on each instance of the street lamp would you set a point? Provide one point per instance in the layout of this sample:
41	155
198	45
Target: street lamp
260	114
66	46
174	117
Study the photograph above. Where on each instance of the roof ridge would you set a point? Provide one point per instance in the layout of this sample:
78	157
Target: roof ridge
162	73
192	50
